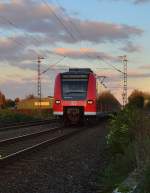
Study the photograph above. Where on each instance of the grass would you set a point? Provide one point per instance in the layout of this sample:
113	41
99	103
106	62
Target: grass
120	165
145	185
10	116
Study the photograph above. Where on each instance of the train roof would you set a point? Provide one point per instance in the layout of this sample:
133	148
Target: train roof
78	71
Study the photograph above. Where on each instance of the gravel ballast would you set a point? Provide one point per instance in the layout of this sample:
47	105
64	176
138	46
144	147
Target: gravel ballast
71	166
25	130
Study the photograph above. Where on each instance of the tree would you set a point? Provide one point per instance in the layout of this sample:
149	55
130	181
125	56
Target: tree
10	103
17	100
136	99
30	96
2	99
108	98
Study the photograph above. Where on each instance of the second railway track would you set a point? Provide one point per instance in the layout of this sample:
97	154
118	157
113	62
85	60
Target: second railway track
18	125
12	148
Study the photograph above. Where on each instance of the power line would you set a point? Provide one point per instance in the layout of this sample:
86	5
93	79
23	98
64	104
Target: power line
124	72
69	19
124	60
60	21
57	62
16	26
113	67
15	40
73	24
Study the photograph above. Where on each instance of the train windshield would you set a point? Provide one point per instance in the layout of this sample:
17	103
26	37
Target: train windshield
74	89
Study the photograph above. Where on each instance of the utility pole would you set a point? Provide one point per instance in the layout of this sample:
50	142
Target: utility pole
125	76
39	80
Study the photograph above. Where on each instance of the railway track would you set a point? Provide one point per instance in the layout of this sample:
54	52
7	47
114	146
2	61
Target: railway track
26	124
13	148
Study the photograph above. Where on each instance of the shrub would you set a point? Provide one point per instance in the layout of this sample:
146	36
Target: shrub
130	126
145	185
129	144
120	134
9	116
136	99
117	170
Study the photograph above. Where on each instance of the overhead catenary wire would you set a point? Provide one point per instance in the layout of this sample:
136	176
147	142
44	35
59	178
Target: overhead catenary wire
59	20
73	37
19	43
13	39
71	34
75	26
57	62
65	25
69	19
24	32
109	64
16	27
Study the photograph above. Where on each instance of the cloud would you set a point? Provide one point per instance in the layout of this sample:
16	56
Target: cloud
138	75
133	1
145	67
23	86
82	53
30	29
141	1
37	28
130	47
37	18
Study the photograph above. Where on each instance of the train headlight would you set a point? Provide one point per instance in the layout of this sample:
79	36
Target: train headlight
57	101
90	102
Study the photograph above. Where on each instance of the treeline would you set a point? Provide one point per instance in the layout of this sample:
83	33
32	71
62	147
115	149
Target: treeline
10	103
139	99
108	99
7	103
2	99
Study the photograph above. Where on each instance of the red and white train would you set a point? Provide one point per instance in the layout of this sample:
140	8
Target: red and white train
76	95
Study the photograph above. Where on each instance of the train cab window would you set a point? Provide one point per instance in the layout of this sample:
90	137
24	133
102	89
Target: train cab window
74	89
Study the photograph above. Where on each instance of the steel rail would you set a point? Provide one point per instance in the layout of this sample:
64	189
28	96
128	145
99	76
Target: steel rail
21	137
26	124
51	141
22	122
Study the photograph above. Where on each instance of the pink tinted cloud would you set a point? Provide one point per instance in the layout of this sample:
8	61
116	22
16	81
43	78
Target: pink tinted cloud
83	53
35	17
145	67
130	47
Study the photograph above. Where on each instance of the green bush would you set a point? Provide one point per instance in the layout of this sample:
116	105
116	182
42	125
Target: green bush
136	99
129	145
120	132
9	116
120	140
145	185
117	170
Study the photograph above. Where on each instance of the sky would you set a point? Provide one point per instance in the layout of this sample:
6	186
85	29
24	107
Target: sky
67	33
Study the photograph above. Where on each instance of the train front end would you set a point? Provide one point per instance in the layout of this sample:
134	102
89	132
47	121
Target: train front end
75	95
